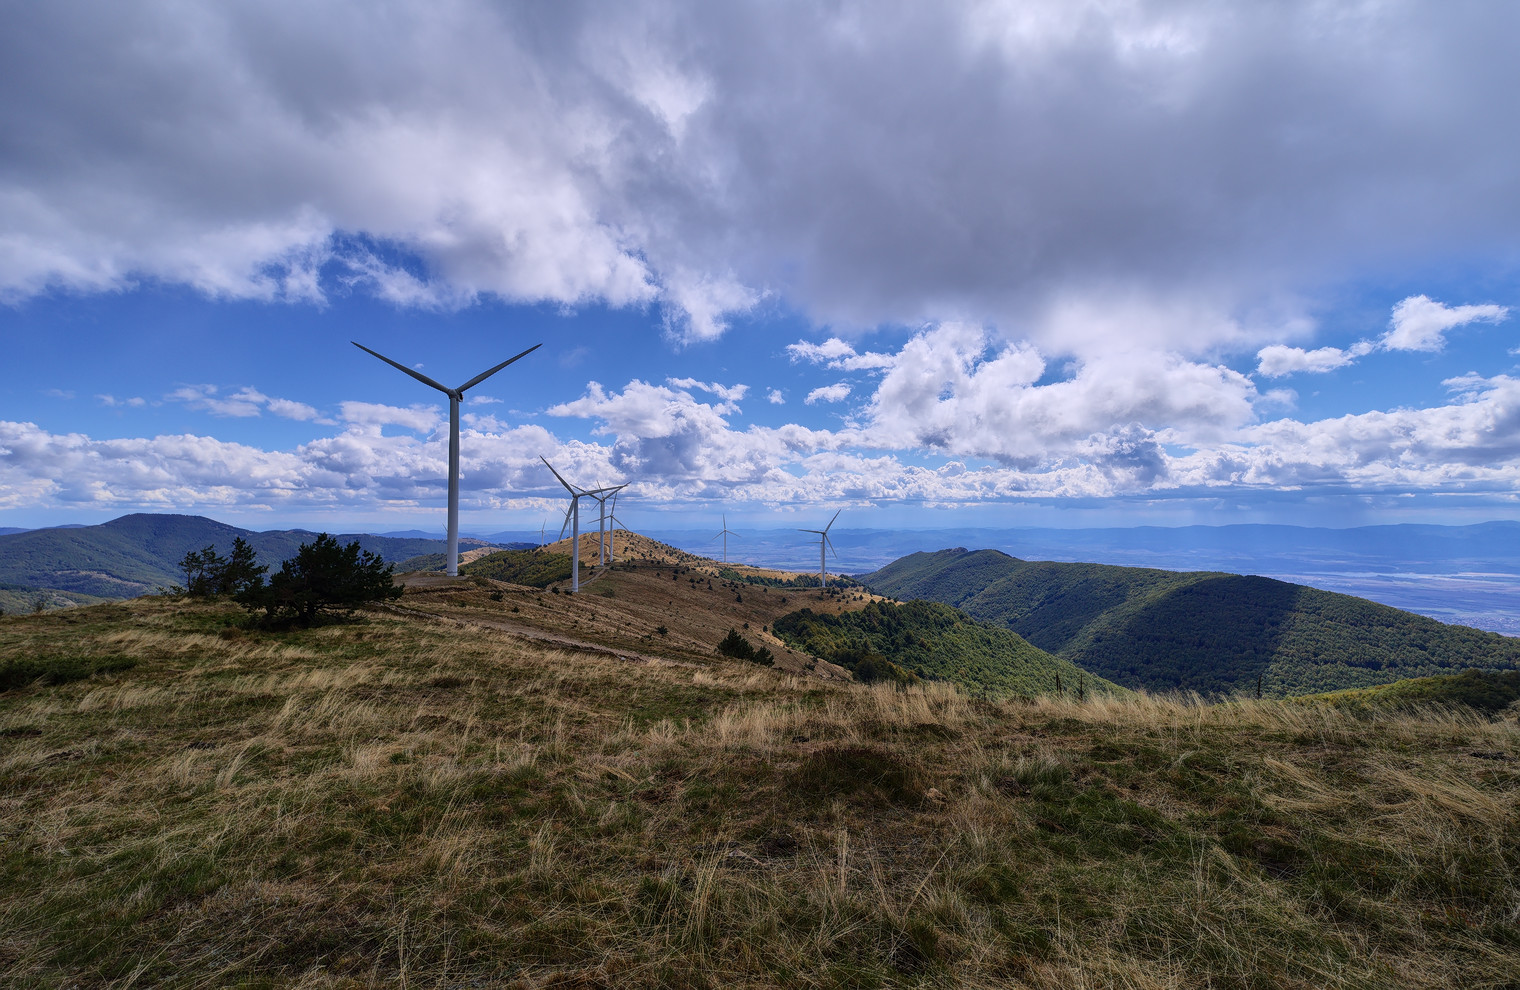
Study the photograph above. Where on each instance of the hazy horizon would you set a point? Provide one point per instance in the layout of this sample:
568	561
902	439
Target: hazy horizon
1444	572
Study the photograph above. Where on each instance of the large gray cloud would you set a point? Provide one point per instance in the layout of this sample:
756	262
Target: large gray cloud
1195	168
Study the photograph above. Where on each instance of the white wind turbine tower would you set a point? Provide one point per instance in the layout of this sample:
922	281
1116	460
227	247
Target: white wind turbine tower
824	543
602	495
456	395
613	522
726	534
573	520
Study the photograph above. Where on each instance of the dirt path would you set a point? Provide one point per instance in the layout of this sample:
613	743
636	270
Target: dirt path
539	636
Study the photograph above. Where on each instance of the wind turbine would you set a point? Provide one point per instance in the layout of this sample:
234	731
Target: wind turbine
613	522
573	520
573	514
541	527
456	395
824	542
602	495
725	534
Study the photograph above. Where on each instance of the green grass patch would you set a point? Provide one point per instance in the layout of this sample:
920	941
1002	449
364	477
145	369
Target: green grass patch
19	672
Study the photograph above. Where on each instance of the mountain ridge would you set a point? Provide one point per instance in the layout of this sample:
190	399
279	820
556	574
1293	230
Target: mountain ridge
1208	631
133	554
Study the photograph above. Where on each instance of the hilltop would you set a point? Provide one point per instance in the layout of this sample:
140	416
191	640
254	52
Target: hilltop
135	554
492	784
1201	631
697	600
655	601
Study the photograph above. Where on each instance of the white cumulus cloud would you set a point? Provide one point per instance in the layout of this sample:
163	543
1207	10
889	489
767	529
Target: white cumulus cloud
835	353
837	392
1277	360
374	415
1419	323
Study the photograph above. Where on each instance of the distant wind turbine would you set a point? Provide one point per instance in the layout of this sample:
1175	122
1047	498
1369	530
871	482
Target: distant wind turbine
613	522
726	534
573	520
456	395
602	495
824	543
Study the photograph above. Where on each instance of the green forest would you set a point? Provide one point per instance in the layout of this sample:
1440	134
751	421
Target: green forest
929	640
1198	631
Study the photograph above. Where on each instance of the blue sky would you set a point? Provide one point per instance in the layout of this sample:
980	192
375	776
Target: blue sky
960	264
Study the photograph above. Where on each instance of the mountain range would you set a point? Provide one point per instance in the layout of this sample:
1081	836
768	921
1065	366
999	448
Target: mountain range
1210	632
135	554
1458	574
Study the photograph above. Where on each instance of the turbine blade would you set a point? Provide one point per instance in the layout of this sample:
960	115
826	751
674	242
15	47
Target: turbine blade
424	379
487	374
568	487
566	523
831	522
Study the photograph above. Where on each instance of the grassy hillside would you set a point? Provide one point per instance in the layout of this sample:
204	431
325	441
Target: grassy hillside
135	554
937	642
1200	631
1487	691
18	599
536	568
423	799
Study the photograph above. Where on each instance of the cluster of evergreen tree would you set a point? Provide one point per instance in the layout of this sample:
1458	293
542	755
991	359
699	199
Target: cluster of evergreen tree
736	646
800	581
209	574
322	577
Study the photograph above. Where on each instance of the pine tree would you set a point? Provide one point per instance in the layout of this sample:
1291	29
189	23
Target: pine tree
202	570
321	577
241	570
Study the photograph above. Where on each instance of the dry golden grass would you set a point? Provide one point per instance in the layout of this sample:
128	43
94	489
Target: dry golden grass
623	607
414	802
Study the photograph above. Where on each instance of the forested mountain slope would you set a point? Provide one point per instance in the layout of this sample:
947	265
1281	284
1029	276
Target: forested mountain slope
134	554
937	642
1202	631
